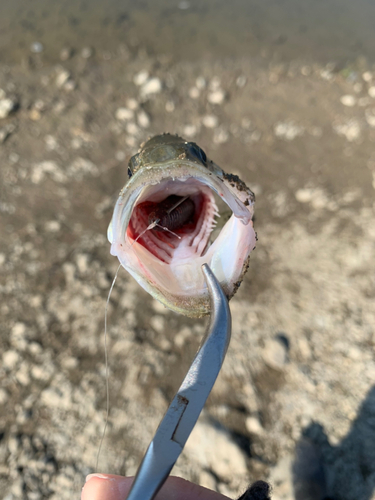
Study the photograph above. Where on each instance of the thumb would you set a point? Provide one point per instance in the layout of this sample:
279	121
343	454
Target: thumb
110	487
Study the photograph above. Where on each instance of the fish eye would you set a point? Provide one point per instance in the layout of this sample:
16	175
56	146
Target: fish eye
198	152
130	173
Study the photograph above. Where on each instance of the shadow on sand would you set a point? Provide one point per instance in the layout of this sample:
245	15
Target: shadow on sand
342	472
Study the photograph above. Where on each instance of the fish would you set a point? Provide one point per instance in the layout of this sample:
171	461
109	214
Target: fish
163	225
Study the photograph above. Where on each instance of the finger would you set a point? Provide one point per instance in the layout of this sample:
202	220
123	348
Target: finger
110	487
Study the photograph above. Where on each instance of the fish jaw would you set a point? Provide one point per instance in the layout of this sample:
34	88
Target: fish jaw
169	266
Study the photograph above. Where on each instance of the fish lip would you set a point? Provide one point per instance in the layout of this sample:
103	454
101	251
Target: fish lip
179	170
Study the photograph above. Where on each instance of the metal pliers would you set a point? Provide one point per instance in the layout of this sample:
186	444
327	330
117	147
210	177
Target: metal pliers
182	414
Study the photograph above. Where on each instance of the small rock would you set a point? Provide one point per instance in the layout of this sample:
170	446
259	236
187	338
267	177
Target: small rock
143	119
221	136
275	354
35	115
367	76
253	426
216	97
210	121
132	104
51	143
194	93
6	131
357	87
62	78
82	166
3	396
2	93
87	52
348	100
52	226
152	86
351	130
124	114
36	47
10	359
371	92
132	128
70	85
7	106
190	130
304	195
66	53
241	81
288	130
306	70
225	459
169	106
50	167
200	83
370	117
141	78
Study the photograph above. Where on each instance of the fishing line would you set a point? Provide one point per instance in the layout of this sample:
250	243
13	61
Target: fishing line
106	366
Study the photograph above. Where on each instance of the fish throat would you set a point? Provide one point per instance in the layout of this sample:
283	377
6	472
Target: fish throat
175	227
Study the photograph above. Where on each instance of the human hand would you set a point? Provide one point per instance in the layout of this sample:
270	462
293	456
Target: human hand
110	487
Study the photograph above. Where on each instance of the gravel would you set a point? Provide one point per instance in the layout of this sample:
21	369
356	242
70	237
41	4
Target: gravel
301	361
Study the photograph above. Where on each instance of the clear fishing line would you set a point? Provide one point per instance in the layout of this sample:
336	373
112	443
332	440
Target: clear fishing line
106	366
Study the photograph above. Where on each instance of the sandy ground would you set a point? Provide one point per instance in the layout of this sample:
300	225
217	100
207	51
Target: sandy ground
301	360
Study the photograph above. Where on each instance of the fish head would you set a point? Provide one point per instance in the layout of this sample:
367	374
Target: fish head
174	179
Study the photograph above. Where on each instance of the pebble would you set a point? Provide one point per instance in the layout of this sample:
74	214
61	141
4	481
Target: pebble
66	53
304	195
82	166
367	76
132	128
275	354
87	52
170	106
132	104
241	81
221	136
225	459
62	78
36	47
210	121
3	396
216	97
6	131
152	86
194	93
2	93
10	359
348	100
370	117
371	92
190	131
124	114
52	226
141	78
253	426
351	130
50	167
143	119
35	115
6	107
200	83
288	130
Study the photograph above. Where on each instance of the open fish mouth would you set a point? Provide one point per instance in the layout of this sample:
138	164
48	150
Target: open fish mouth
164	219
